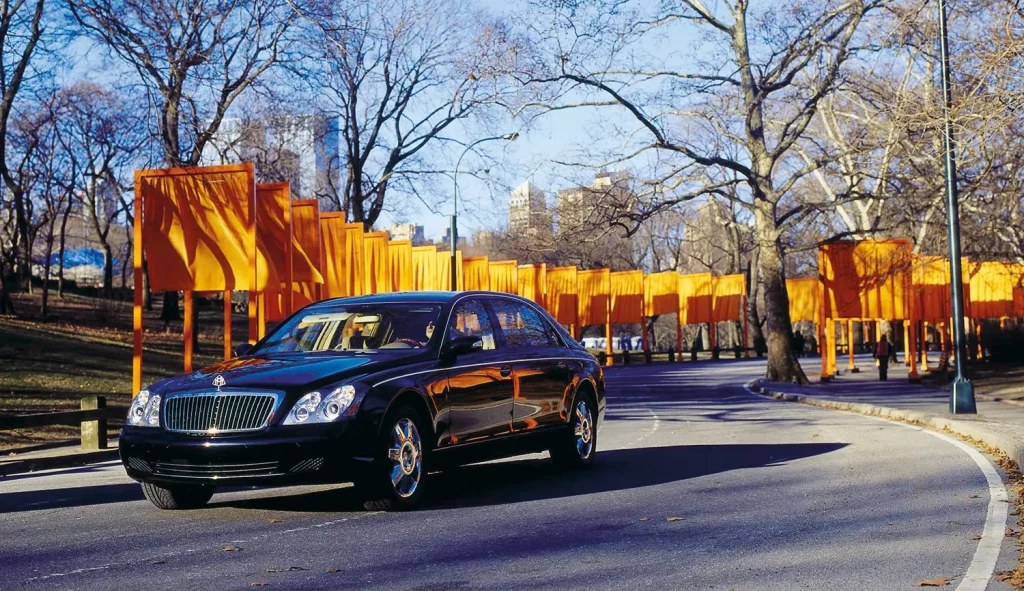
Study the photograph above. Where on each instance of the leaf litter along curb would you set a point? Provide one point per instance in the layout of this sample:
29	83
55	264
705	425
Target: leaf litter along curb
1013	478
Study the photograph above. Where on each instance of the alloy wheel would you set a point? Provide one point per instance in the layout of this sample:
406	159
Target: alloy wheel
583	429
406	455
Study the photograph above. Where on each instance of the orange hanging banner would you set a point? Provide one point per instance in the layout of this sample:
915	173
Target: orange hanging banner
594	296
355	283
866	279
332	238
274	243
376	262
695	298
444	265
661	293
424	268
991	288
560	291
503	276
533	281
627	297
727	294
306	251
804	299
400	265
476	273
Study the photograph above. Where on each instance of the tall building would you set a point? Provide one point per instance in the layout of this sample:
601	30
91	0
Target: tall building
411	232
300	149
581	208
527	209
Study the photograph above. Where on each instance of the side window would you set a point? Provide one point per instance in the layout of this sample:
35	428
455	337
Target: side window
469	319
522	325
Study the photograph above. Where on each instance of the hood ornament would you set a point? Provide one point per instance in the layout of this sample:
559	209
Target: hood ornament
219	381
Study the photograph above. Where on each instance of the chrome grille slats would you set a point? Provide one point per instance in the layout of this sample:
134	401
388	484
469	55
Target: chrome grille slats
196	470
210	413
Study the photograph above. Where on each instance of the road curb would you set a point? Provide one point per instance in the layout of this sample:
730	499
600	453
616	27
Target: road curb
55	462
972	428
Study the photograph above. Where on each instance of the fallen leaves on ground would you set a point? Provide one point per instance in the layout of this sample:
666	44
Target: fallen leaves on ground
331	570
157	561
645	519
257	584
273	521
975	496
815	435
673	519
975	538
1009	532
284	569
230	548
932	583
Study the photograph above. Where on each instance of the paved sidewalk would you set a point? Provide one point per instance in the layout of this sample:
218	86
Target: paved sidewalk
49	457
997	424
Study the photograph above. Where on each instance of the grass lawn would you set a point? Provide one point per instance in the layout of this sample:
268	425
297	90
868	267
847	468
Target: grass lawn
48	364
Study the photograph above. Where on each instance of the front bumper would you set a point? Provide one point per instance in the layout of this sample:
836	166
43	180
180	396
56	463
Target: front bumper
274	456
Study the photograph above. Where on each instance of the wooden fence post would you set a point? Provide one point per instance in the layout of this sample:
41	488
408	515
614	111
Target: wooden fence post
94	433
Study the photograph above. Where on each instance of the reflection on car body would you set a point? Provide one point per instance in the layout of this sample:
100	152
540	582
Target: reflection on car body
376	390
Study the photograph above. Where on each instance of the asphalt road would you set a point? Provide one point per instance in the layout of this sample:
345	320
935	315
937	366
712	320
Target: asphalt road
698	485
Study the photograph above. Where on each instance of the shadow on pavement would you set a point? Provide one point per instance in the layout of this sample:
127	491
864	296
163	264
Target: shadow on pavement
37	500
515	481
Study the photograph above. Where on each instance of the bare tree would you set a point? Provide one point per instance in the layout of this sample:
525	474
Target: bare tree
399	75
755	87
21	29
194	59
100	135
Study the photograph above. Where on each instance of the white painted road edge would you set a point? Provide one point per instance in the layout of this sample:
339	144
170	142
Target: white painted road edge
983	564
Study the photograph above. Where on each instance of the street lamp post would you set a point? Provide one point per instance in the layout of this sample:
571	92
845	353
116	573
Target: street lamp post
961	400
454	230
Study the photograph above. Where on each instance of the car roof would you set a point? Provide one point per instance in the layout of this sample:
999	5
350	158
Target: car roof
413	297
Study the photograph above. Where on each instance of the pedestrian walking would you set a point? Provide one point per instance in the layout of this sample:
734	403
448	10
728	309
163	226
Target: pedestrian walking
882	355
797	344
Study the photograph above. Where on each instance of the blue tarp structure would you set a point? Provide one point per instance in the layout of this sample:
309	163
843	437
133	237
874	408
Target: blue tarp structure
77	257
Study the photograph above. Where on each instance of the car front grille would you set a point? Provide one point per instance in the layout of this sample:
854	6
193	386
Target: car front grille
214	471
218	412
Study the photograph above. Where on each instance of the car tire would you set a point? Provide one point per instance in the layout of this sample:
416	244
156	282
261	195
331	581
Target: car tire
177	497
397	478
575	448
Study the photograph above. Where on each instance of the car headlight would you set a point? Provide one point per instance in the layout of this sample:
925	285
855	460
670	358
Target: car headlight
314	408
145	410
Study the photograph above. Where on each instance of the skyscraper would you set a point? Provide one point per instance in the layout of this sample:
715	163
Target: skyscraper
527	209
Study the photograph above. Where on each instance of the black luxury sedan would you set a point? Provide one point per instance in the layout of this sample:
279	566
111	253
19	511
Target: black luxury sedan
375	390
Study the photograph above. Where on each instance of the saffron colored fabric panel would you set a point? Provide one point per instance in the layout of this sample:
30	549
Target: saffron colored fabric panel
661	293
560	291
444	277
866	279
594	296
332	233
533	283
400	255
503	276
424	268
476	274
804	299
306	241
627	297
992	285
727	294
354	281
695	298
199	228
376	262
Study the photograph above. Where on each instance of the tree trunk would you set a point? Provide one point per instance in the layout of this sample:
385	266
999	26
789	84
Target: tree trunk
170	311
782	364
108	271
63	244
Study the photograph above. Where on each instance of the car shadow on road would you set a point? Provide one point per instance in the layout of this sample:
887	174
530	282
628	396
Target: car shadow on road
518	480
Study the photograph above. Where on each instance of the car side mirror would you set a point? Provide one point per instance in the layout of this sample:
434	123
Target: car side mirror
242	349
463	345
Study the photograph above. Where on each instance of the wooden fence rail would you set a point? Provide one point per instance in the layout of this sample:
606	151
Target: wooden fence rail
93	419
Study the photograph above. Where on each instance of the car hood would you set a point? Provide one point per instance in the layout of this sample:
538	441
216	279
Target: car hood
287	372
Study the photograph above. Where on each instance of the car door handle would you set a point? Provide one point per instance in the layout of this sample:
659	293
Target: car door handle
506	370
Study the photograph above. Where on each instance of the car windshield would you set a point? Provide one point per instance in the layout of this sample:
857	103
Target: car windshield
363	327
